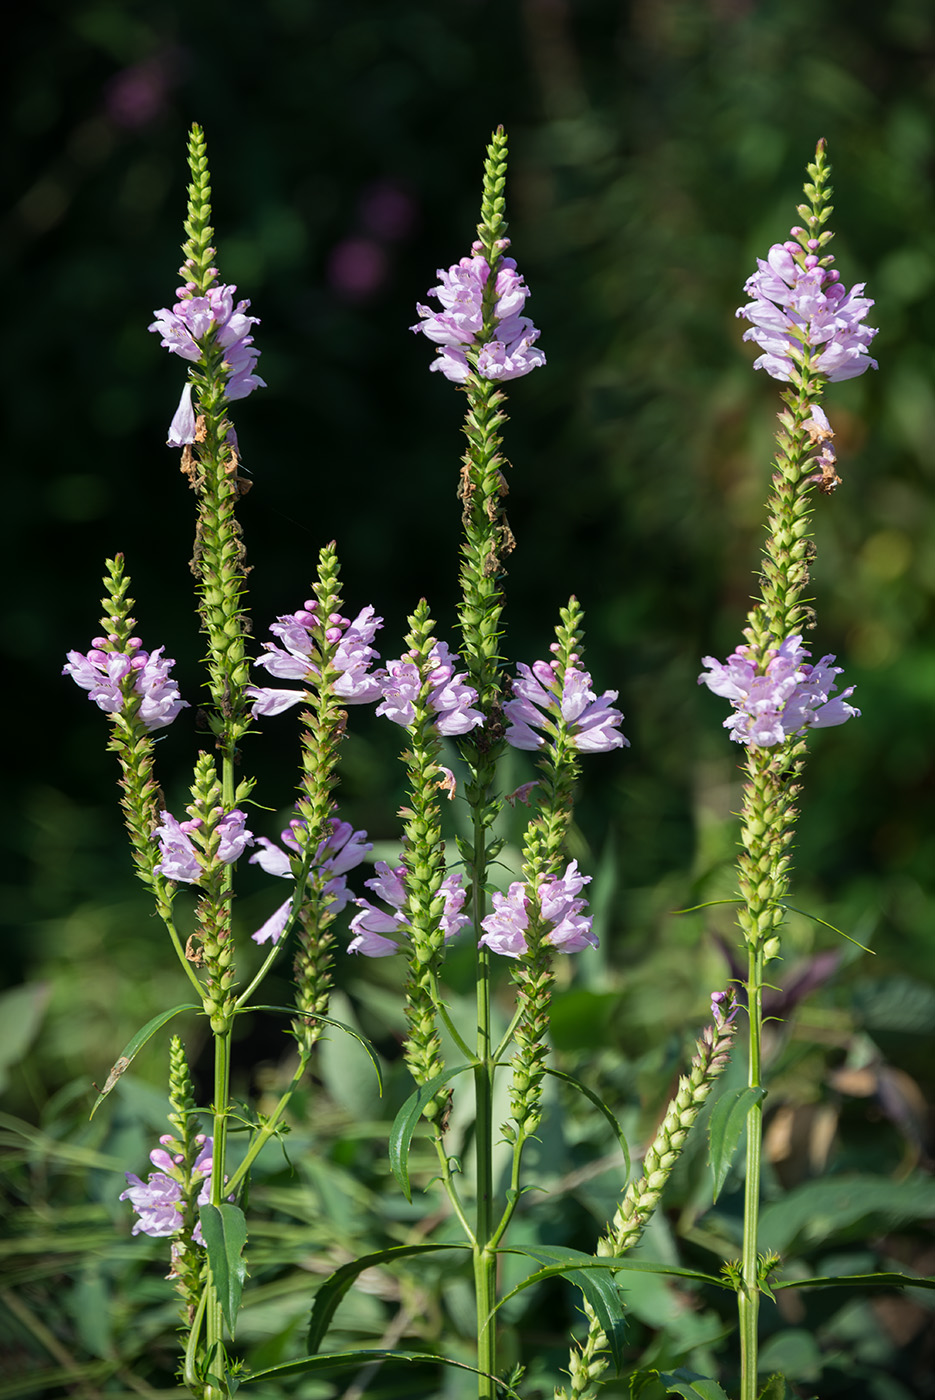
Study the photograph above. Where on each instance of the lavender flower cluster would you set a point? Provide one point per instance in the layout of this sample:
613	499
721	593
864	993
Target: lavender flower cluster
339	852
157	1201
184	331
509	353
181	860
101	671
788	697
800	307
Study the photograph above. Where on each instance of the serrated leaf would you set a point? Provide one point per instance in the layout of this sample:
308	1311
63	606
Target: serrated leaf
334	1288
329	1021
225	1230
404	1125
691	1385
134	1046
598	1104
774	1389
727	1122
588	1272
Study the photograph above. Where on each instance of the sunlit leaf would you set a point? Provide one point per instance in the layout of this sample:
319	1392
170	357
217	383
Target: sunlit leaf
225	1230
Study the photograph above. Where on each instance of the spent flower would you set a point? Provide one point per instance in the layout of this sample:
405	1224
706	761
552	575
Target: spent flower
800	308
561	909
377	932
591	720
788	697
508	350
101	670
292	660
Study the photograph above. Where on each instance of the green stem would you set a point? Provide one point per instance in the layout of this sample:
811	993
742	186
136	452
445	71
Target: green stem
268	1130
213	1315
485	1258
748	1298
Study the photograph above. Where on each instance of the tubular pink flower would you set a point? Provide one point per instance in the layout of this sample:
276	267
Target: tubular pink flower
377	932
183	426
451	700
800	307
788	698
570	930
509	352
340	851
591	720
356	685
102	669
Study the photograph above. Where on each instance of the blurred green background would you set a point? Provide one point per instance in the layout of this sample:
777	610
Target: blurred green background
657	148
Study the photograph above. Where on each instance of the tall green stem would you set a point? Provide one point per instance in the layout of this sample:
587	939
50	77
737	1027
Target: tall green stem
748	1298
485	1259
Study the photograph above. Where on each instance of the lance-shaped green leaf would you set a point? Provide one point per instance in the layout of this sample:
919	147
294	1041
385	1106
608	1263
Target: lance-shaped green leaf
328	1021
404	1125
334	1288
880	1280
340	1360
225	1230
598	1104
589	1273
728	1119
132	1048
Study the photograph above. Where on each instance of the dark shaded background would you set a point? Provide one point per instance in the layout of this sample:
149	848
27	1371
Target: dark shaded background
656	148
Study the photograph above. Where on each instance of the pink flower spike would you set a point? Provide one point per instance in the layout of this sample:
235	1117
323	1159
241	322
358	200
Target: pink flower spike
377	932
353	657
451	700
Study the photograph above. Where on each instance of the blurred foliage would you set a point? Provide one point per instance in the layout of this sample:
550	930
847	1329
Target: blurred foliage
657	148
